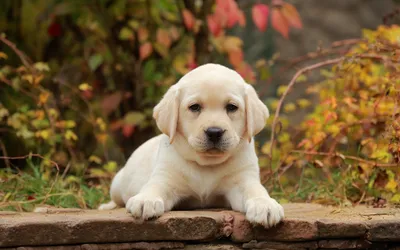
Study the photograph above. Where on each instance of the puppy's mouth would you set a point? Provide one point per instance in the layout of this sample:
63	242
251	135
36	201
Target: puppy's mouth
213	152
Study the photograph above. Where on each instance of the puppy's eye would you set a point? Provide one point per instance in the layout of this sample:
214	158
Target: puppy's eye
231	108
195	108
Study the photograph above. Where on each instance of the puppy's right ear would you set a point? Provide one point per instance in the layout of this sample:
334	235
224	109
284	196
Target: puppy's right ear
166	112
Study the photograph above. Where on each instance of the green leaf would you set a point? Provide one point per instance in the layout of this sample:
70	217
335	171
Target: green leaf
134	118
148	70
41	66
95	61
126	34
301	78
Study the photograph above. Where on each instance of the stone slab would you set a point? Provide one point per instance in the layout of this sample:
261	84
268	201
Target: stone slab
303	223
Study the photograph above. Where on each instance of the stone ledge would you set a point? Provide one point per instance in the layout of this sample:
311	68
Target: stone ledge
307	226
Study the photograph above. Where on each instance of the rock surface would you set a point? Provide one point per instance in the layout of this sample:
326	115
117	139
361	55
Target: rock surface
306	226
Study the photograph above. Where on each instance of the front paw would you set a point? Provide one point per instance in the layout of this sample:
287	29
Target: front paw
264	210
145	207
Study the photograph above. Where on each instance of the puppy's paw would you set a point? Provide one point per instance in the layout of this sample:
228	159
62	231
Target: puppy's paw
108	206
264	210
145	207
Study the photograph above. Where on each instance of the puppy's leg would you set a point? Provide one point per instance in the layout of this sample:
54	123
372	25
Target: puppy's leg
155	198
250	197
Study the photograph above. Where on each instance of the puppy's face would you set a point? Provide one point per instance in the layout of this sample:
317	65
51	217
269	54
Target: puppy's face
210	111
212	114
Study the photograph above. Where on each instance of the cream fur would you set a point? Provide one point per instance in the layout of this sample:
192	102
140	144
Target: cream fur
178	170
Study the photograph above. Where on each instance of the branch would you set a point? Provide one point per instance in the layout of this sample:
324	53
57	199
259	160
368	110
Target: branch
24	58
387	165
28	156
290	85
334	49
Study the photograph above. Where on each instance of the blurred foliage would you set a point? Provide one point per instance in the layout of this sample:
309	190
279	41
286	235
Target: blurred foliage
79	80
84	101
352	135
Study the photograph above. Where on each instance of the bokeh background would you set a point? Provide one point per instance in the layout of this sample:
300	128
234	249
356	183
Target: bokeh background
79	79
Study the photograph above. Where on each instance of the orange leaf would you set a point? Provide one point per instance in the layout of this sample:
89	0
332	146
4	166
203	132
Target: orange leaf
260	14
242	19
115	125
246	72
292	16
145	50
188	19
279	22
143	34
163	38
213	25
236	57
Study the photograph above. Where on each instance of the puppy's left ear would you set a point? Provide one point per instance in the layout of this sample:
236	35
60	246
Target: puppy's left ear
166	112
257	112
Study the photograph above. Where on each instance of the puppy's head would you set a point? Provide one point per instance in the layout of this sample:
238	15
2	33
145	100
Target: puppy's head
213	110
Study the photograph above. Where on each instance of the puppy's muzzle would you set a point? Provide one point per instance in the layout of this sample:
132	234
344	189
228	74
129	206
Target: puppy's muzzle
214	134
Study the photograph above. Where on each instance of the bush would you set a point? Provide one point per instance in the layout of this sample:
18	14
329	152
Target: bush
85	100
353	133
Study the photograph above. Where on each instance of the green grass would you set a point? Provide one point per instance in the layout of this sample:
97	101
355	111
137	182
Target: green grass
23	190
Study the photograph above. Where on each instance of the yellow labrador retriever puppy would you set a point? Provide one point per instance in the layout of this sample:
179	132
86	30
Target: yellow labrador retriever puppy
205	156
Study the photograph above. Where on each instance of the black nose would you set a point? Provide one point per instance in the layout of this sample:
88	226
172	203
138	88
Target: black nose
214	134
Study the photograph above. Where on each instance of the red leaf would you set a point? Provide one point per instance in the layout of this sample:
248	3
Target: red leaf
127	130
188	19
227	13
87	94
292	16
279	22
260	14
54	29
145	50
223	4
192	65
236	57
233	13
213	25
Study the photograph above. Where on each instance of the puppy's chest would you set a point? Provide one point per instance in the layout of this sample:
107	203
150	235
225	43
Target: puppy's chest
204	185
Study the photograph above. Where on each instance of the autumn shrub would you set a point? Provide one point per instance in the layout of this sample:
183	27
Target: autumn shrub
352	136
79	80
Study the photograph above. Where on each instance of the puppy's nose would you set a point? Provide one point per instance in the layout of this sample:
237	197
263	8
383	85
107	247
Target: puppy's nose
214	134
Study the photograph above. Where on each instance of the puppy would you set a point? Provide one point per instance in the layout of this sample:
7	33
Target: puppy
205	157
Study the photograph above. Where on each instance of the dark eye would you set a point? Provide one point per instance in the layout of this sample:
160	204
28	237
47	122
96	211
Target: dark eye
195	108
231	108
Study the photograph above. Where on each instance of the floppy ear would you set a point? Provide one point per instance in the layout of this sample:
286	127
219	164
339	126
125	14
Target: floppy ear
166	113
257	112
